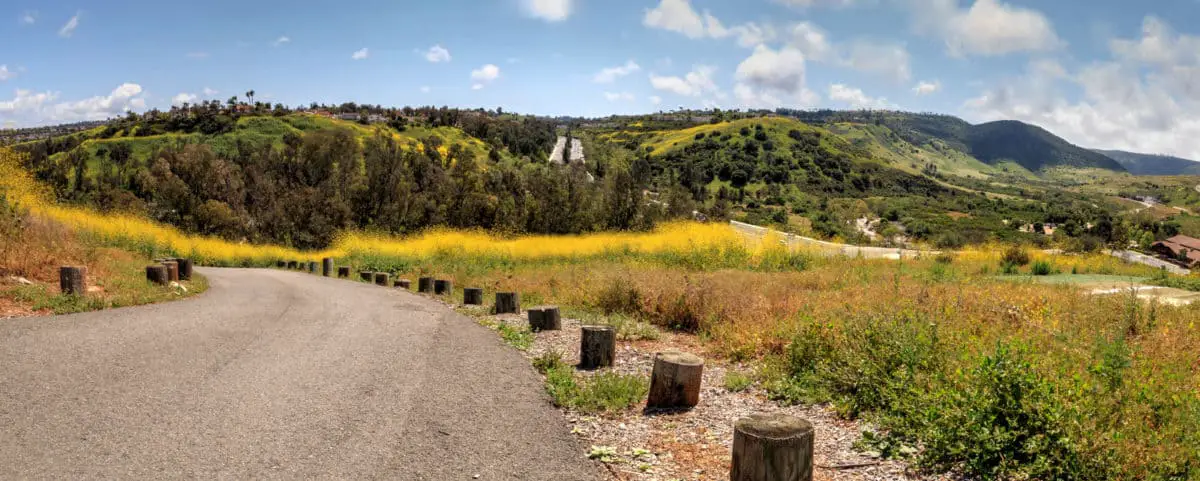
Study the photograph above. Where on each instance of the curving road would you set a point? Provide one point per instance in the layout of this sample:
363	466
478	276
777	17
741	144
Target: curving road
275	374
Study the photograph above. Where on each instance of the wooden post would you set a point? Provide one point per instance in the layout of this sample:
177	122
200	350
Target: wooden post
343	272
172	270
544	318
508	303
327	266
675	380
597	347
381	278
312	267
772	447
403	284
425	285
185	269
291	264
443	287
72	281
157	274
367	276
280	264
473	296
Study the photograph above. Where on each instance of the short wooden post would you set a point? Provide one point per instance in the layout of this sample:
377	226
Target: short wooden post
72	281
473	296
291	264
343	272
157	274
327	266
381	278
425	285
675	380
597	347
280	264
312	267
403	284
443	287
772	447
185	269
508	303
367	276
172	270
544	318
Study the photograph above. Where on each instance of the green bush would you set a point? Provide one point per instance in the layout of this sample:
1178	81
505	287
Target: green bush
604	392
1009	268
1015	255
1041	268
736	381
620	296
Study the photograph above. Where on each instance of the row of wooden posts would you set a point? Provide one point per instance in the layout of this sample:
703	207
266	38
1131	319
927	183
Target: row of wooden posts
766	447
72	280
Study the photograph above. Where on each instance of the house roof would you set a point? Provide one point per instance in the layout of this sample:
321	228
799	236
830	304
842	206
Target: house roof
1191	243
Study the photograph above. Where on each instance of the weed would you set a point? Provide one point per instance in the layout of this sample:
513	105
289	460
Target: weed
736	381
520	338
1041	268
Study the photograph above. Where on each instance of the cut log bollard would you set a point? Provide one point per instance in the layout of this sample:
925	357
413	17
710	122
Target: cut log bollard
291	264
172	270
597	347
72	281
381	278
772	447
343	272
544	318
443	287
280	264
425	285
508	303
312	267
403	284
366	276
675	380
473	296
157	274
327	266
185	269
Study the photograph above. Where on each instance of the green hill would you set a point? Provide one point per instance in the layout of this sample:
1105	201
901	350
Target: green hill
1149	164
1032	147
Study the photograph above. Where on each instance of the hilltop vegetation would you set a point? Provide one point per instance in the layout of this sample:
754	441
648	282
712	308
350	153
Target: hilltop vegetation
1146	164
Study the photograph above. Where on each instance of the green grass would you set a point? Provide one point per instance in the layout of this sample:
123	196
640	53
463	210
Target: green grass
125	286
736	381
606	391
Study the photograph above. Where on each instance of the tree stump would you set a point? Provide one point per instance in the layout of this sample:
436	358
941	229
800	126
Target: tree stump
343	272
172	270
597	347
312	267
425	285
675	380
291	264
185	269
367	276
157	274
508	303
772	447
544	318
473	296
381	278
327	266
403	284
72	281
443	287
280	264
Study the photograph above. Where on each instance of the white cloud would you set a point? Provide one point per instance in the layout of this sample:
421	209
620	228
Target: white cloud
6	74
678	16
484	75
887	60
802	4
69	29
988	27
360	54
771	78
1146	98
437	54
615	96
610	74
184	98
925	87
425	89
37	108
281	40
854	97
208	92
29	17
549	10
812	41
655	100
697	82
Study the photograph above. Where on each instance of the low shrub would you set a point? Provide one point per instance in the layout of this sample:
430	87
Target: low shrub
1041	268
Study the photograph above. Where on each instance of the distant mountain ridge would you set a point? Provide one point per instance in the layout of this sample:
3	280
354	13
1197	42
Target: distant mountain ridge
1152	164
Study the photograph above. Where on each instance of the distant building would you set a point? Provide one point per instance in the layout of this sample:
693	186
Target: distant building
351	116
1180	249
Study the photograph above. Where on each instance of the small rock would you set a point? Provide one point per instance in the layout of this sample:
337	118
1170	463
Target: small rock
179	287
21	280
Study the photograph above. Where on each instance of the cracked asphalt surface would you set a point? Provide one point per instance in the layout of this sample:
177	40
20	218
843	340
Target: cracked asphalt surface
275	374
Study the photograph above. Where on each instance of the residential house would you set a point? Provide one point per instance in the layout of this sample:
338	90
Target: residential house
1180	249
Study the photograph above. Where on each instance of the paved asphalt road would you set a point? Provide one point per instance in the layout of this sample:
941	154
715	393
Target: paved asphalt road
275	374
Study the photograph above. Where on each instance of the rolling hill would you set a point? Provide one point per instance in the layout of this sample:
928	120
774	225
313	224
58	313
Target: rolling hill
1149	164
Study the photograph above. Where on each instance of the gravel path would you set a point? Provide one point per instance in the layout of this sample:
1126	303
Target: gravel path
274	374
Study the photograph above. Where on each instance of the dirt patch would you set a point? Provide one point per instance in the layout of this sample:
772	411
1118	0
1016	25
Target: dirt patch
958	215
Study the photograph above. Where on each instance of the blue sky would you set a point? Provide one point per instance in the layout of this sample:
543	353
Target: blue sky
1102	73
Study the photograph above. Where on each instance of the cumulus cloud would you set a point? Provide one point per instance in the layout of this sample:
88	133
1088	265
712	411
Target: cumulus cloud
69	28
925	87
484	75
29	17
771	78
888	60
678	16
6	74
281	40
1145	98
39	108
697	82
549	10
988	27
854	97
184	98
360	54
437	54
208	92
615	96
608	75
